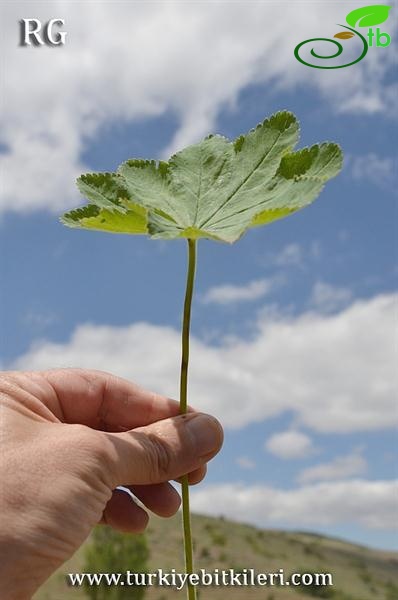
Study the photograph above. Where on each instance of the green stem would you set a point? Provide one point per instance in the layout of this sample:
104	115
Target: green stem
186	516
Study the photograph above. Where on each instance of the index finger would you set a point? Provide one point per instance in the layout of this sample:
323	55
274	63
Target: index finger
100	400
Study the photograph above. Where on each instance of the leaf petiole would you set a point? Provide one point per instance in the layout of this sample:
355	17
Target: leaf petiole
186	516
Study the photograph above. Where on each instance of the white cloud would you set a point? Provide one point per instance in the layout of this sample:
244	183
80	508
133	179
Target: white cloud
290	255
37	321
342	467
371	504
231	294
336	373
378	170
315	250
328	298
126	61
245	463
344	235
294	255
290	444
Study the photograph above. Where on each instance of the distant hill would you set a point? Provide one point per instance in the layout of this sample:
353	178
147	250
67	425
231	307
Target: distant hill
359	573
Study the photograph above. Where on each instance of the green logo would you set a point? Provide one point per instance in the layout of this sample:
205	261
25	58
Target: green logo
367	16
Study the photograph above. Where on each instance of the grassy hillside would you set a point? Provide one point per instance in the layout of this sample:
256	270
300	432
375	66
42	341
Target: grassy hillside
359	573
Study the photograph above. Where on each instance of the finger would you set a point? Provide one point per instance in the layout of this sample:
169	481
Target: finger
101	400
164	450
195	476
123	514
160	498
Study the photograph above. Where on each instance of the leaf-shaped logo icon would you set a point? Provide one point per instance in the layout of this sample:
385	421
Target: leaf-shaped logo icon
367	16
344	35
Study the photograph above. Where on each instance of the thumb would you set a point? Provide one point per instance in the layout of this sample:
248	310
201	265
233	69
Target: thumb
164	450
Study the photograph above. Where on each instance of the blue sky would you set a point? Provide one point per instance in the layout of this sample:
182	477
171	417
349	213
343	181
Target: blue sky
321	282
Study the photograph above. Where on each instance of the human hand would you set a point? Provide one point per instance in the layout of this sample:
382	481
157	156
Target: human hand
69	438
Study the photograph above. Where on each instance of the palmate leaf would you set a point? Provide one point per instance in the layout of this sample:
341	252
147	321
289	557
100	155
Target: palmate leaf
214	189
111	210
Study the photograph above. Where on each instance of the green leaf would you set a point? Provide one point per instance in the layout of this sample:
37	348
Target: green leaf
299	180
103	189
92	217
367	16
215	189
110	208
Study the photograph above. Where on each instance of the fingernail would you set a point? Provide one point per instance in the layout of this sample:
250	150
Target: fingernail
206	433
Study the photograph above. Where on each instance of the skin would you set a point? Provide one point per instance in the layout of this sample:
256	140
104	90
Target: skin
69	437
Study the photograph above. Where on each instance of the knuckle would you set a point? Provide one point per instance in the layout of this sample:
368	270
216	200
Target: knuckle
87	458
89	442
160	457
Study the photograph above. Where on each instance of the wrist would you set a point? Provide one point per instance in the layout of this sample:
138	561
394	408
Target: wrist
20	575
